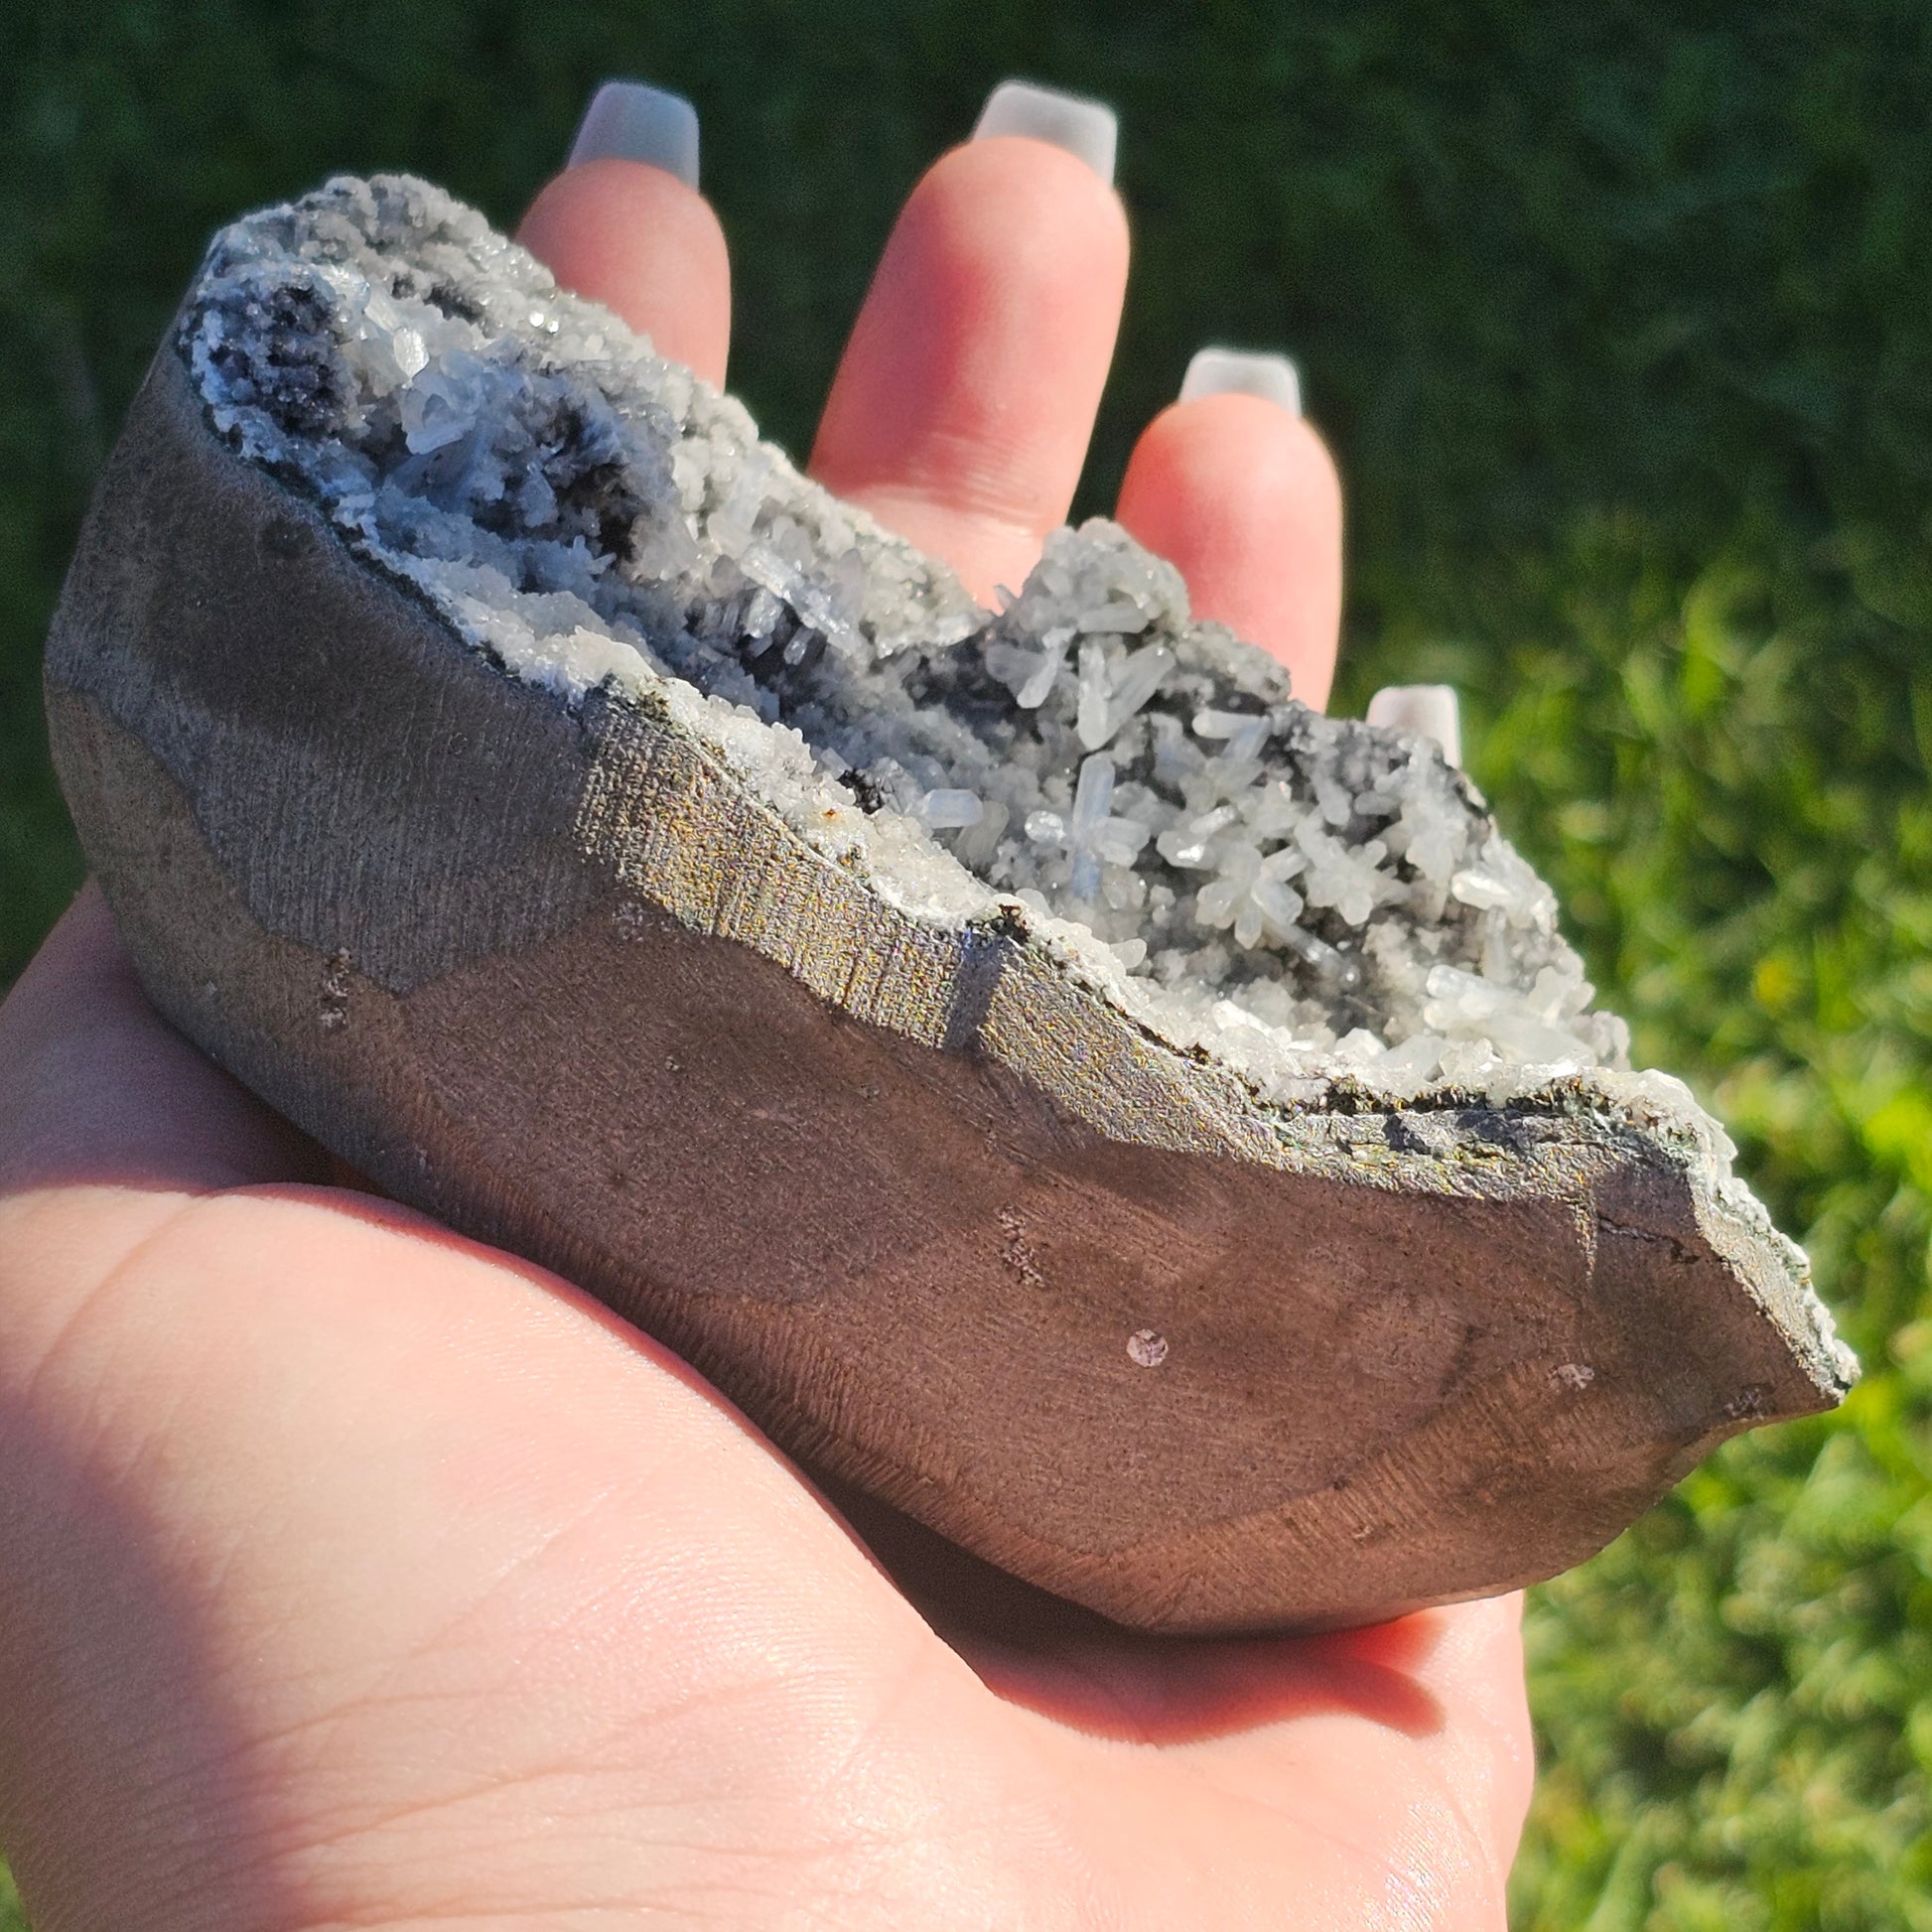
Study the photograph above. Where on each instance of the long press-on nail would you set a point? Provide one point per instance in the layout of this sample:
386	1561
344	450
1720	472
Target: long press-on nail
628	121
1089	129
1238	372
1429	710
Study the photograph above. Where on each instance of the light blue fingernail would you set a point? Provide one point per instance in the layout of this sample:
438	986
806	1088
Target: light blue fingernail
628	121
1223	371
1089	129
1429	710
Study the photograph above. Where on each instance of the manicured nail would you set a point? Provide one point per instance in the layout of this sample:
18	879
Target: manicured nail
1089	129
628	121
1235	371
1429	710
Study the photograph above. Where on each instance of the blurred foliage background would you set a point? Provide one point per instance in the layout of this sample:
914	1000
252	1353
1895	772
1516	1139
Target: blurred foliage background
1620	317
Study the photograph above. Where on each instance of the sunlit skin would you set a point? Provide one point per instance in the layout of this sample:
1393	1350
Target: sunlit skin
355	1575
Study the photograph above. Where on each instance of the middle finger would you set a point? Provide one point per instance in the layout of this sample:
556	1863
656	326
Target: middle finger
962	408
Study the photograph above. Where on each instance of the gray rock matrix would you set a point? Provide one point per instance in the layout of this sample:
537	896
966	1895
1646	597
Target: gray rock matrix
1323	907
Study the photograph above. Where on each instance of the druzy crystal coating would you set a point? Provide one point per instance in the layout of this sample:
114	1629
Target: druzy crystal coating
1321	903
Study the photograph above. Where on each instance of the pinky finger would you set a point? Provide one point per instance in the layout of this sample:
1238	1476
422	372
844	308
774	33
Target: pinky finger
1234	488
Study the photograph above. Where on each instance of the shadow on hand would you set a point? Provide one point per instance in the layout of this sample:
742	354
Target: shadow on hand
138	1105
1084	1671
128	1796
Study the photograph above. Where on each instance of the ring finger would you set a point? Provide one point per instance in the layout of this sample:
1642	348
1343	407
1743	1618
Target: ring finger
1231	486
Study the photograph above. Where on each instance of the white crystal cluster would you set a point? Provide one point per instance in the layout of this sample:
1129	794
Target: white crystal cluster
1309	897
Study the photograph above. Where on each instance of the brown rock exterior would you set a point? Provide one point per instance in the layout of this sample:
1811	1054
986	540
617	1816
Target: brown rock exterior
943	1221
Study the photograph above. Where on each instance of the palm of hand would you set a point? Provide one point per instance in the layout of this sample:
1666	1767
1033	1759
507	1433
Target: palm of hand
351	1573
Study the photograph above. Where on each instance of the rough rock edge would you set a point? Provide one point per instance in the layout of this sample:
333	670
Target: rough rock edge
1656	1106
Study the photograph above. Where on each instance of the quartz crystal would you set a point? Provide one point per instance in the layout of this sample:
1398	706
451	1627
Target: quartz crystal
1325	906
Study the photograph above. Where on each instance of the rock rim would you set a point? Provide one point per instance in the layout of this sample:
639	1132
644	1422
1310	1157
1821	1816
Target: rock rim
920	1192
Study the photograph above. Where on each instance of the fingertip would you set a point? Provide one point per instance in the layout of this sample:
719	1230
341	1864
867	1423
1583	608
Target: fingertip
645	243
962	407
636	121
1243	496
989	182
1428	710
1086	128
1215	370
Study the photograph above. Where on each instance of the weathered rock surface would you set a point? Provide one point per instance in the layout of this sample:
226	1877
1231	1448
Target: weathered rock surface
1323	1271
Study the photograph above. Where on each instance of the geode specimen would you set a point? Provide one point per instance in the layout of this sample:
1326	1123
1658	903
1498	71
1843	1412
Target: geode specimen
1151	1133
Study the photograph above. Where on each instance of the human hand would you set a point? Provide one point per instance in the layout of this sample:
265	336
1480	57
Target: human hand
352	1574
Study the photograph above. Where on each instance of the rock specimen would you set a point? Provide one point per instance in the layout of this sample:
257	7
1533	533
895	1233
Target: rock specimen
1151	1133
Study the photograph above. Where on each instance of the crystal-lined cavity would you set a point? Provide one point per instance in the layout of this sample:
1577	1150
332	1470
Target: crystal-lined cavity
1303	895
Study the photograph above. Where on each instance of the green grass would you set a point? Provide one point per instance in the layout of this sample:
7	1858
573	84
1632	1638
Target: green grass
1621	321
